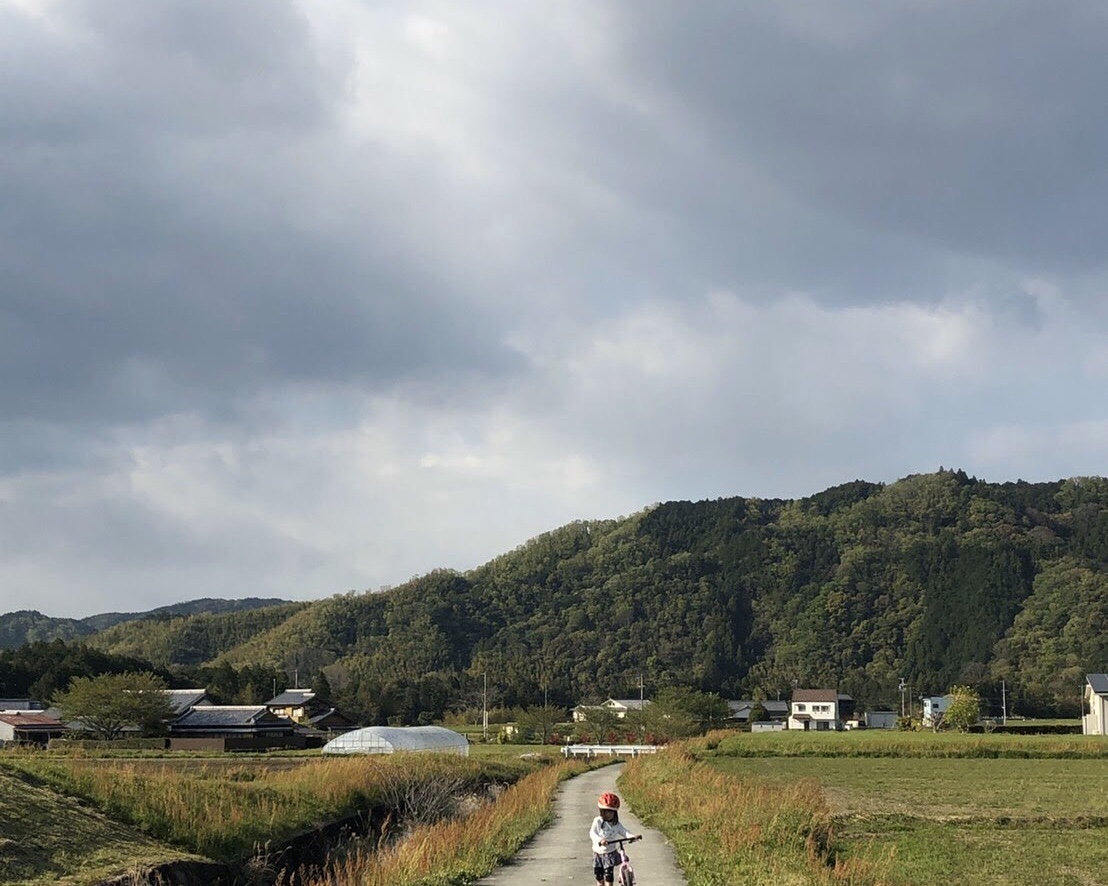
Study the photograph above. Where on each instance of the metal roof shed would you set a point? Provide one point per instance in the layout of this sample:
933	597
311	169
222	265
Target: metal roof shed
395	739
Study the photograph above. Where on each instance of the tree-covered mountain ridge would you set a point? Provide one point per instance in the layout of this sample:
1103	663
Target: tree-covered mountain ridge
29	625
937	578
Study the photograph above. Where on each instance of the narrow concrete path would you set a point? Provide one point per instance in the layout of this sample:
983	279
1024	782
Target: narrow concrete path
560	853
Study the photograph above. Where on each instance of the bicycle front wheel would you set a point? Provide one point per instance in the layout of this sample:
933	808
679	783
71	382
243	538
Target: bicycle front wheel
626	876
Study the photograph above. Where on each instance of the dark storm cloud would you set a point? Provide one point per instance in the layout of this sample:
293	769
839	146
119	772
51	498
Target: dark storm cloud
156	175
901	135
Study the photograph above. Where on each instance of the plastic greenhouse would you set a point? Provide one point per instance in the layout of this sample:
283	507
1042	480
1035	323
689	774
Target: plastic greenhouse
394	739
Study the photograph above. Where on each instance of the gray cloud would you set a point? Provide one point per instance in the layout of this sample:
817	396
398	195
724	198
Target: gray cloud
296	298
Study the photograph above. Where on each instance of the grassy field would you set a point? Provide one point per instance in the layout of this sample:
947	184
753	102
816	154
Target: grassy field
891	743
47	838
1021	811
221	810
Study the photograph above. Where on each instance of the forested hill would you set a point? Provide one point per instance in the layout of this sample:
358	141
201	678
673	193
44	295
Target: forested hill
938	578
29	626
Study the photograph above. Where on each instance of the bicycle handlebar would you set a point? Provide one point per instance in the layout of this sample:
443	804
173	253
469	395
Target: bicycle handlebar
624	840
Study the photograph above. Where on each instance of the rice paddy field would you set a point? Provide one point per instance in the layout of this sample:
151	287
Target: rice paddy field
1017	810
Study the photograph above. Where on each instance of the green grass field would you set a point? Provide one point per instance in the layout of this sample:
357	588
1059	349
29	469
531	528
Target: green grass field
1022	811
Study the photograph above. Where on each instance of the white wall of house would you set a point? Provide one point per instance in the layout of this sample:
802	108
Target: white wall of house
1095	722
820	715
933	707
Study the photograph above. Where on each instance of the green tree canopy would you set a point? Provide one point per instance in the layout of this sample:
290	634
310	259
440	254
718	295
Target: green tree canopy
964	710
111	702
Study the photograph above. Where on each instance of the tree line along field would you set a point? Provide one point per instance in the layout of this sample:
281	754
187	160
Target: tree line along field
924	808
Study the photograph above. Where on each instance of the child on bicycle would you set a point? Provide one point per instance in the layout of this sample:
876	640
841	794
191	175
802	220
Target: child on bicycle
606	828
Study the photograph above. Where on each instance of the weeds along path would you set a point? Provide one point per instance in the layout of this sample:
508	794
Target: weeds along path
561	853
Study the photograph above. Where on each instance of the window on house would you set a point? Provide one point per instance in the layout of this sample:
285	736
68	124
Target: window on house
800	707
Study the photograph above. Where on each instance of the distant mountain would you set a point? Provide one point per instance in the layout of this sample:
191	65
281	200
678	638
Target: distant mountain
937	579
29	626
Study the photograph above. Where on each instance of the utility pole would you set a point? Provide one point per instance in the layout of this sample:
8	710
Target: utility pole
1003	703
642	711
903	689
485	706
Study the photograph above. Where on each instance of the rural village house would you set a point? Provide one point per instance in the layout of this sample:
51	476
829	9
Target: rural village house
618	706
305	707
230	721
331	721
815	709
739	710
934	707
183	699
29	727
1094	708
299	705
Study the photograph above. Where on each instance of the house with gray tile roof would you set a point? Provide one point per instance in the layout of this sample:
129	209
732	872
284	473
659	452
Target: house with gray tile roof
740	709
21	704
296	704
229	721
183	699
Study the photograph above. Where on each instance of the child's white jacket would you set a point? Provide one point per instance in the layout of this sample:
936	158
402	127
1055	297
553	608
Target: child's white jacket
607	830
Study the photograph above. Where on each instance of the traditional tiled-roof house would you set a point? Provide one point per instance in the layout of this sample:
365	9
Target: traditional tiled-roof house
229	721
740	710
183	699
331	721
299	705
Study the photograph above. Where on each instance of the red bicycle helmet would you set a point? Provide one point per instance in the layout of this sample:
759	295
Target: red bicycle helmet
608	801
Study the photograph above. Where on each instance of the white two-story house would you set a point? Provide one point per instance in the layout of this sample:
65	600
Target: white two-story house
815	709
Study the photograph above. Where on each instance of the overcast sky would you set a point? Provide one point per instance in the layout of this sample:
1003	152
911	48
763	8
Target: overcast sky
298	298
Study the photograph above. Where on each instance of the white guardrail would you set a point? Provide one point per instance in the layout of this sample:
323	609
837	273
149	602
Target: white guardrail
612	750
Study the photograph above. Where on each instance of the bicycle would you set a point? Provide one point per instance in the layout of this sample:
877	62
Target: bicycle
624	874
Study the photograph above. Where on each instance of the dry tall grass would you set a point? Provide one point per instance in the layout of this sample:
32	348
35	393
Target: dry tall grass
225	813
732	831
457	851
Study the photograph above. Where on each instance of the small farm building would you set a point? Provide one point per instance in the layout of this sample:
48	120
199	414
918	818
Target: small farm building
395	739
881	719
1094	714
28	727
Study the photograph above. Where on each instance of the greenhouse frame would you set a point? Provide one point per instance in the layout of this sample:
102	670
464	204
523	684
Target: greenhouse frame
397	739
